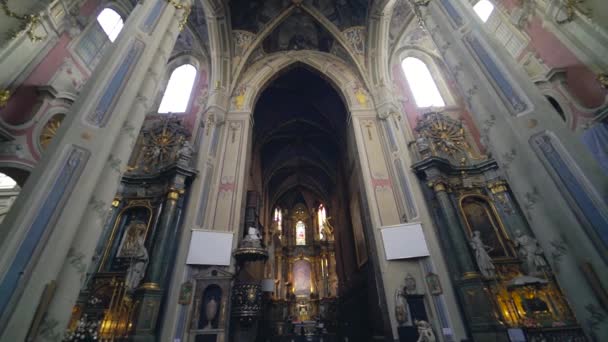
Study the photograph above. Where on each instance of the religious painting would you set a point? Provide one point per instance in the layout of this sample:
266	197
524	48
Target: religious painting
300	233
135	232
302	278
479	215
359	236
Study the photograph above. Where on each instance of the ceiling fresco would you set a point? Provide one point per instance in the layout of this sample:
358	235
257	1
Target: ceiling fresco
253	15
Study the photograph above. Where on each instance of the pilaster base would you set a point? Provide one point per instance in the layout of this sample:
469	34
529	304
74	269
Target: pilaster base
478	309
146	314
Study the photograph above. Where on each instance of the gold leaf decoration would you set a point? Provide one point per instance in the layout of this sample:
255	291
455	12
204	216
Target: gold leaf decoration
50	130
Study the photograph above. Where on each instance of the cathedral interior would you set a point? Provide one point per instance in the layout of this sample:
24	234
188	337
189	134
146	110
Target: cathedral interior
304	170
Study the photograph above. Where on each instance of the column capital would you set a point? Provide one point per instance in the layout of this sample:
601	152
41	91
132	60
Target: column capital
439	185
497	187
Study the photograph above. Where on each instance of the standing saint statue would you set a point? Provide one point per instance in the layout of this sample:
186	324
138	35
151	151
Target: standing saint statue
138	265
531	252
484	262
400	306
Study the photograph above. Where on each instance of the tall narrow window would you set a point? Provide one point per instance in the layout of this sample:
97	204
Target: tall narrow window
300	233
484	9
179	89
424	88
321	217
110	22
278	218
506	34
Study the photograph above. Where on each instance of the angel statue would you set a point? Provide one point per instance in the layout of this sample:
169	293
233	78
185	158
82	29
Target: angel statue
531	252
425	331
484	261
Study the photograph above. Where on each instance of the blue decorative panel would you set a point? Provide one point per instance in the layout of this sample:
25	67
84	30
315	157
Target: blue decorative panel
570	181
407	193
205	198
390	134
152	18
99	117
44	220
452	12
596	140
511	96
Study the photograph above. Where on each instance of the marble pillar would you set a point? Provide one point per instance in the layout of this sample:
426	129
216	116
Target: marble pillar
55	224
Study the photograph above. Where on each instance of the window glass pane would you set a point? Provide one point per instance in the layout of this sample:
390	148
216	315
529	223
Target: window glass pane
179	89
6	182
483	9
426	93
110	22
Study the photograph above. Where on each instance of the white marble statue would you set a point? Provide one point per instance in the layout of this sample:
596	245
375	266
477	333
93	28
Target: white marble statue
484	262
400	306
186	150
425	331
531	252
137	268
253	234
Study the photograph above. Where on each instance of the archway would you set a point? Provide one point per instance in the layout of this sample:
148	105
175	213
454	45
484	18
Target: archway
301	158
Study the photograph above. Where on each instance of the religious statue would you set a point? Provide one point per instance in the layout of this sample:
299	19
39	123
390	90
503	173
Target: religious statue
484	262
425	331
138	265
184	154
134	231
531	252
253	237
400	306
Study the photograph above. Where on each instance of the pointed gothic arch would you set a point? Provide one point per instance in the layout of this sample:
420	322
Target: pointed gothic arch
241	69
340	75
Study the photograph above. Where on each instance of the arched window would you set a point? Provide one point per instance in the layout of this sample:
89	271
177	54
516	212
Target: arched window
424	88
278	218
300	233
6	182
110	22
484	9
321	217
179	89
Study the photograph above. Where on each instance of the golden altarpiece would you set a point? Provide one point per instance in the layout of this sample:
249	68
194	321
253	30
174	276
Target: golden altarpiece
499	270
302	269
122	295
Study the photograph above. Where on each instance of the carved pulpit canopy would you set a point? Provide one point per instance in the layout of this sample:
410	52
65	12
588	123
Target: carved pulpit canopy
438	135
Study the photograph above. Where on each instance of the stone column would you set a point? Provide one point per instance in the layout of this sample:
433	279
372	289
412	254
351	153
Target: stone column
164	239
73	186
455	234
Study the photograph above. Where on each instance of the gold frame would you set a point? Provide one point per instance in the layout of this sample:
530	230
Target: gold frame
133	203
509	243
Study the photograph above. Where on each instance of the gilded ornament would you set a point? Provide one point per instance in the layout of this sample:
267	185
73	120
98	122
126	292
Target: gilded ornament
29	22
5	96
498	187
173	195
602	78
50	130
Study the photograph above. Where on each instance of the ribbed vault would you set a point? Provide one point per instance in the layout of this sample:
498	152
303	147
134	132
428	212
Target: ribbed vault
299	128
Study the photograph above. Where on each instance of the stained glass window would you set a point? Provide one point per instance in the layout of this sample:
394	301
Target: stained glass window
300	233
278	218
321	217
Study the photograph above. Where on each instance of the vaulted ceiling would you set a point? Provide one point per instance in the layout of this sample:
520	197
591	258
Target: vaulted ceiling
300	127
